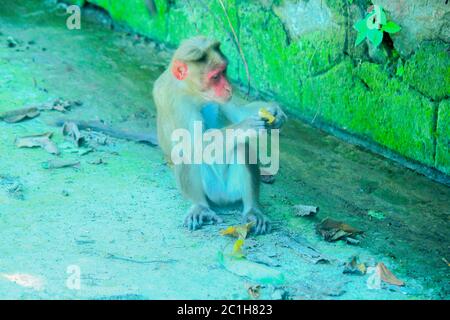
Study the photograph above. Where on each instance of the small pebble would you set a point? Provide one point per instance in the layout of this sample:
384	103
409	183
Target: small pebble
11	42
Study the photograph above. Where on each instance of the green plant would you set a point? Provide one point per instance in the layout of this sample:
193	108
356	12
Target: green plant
400	68
374	25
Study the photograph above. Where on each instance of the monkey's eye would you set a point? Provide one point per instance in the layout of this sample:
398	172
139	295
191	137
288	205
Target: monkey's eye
216	77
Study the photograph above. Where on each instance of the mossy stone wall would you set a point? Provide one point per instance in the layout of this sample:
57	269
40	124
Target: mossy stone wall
313	68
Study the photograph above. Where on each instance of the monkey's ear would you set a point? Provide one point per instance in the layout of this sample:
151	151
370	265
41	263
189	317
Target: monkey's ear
179	69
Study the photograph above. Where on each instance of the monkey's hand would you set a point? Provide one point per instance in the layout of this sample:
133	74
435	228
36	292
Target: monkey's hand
280	116
252	122
198	215
261	224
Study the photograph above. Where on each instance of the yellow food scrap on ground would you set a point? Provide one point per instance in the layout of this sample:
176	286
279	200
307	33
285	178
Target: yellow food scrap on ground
266	115
238	231
237	248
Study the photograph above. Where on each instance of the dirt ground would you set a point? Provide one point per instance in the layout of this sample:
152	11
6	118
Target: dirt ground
120	222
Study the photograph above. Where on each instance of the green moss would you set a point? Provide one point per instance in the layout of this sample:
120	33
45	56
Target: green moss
276	64
428	70
372	106
262	39
443	137
311	75
136	15
338	7
403	118
78	2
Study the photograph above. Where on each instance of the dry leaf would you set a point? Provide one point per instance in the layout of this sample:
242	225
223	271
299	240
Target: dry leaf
98	161
354	267
40	140
387	276
57	164
352	241
254	291
25	280
60	105
71	131
332	230
303	211
19	115
238	231
99	127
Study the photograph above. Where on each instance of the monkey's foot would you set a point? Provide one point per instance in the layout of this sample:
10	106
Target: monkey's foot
198	215
261	224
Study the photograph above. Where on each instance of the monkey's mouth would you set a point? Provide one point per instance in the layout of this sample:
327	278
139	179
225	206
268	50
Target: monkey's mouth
212	97
224	99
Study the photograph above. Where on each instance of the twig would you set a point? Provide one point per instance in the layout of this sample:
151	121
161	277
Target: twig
126	259
238	44
192	9
143	137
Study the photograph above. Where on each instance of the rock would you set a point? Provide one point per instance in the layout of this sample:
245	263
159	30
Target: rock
303	17
443	137
377	54
420	20
11	42
279	294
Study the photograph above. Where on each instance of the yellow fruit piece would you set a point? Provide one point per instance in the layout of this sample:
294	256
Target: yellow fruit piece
266	115
239	231
237	248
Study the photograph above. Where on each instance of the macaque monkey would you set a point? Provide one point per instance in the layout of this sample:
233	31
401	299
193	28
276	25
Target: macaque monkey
196	80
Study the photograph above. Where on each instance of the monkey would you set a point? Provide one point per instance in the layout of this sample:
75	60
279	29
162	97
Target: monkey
195	87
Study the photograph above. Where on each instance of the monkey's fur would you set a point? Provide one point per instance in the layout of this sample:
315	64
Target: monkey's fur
194	83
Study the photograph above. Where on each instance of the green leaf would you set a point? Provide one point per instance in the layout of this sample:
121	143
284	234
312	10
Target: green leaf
361	26
360	38
383	17
375	36
391	27
374	20
400	68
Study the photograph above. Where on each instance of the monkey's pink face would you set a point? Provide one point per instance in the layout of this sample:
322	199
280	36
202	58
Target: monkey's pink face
213	86
217	85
